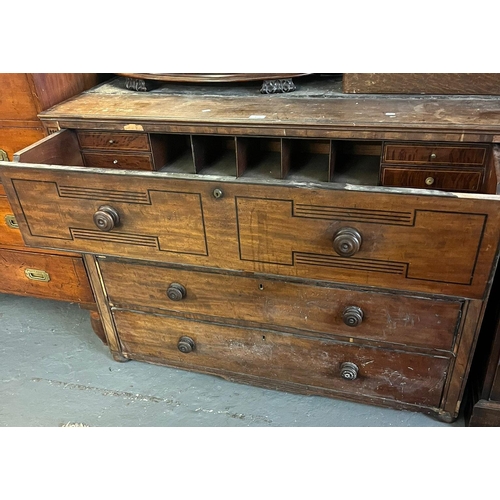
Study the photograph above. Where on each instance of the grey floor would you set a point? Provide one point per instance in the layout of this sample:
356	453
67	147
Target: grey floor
54	371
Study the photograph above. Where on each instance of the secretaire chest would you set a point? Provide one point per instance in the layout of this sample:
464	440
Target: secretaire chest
311	242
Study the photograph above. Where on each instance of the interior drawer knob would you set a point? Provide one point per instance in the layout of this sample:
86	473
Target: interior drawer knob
347	241
348	371
186	345
433	156
176	292
352	316
106	218
429	181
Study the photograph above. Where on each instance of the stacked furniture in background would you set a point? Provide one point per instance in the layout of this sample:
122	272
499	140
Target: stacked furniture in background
39	273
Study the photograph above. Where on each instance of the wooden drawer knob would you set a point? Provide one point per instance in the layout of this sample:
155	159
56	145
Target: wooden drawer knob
106	218
348	371
352	316
176	292
186	345
347	241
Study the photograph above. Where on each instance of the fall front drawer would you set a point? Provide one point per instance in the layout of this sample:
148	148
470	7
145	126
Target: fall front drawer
429	243
279	357
279	304
44	275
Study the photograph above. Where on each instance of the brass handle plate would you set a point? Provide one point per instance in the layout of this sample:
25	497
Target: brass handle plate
11	221
37	275
3	155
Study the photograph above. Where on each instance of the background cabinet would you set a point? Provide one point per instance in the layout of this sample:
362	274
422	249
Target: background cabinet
27	271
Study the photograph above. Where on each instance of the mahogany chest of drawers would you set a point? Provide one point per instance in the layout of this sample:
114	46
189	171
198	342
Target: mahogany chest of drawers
323	244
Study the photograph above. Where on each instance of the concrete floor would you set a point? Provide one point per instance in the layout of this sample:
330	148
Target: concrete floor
55	371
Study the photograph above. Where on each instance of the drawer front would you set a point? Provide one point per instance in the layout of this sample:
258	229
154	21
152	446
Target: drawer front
435	155
44	276
2	190
451	180
279	304
433	243
114	141
9	232
118	160
411	378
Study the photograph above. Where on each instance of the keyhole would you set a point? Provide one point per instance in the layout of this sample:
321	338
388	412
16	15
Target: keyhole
261	286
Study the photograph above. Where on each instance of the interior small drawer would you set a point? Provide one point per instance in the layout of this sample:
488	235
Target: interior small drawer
126	141
446	179
142	161
340	367
277	304
434	154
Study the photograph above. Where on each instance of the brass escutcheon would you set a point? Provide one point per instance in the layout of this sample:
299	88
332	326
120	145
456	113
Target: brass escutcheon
37	275
11	221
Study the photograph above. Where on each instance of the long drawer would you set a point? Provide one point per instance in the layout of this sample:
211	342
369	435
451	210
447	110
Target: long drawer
45	276
430	242
277	304
340	367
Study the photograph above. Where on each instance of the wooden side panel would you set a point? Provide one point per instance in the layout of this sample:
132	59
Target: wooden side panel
16	99
53	88
60	148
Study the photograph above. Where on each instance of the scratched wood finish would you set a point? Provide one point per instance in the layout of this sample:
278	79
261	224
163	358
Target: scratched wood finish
277	304
328	116
437	244
413	378
421	83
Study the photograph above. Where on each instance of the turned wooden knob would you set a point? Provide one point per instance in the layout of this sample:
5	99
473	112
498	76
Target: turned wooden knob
176	292
352	316
348	371
347	241
106	218
186	345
